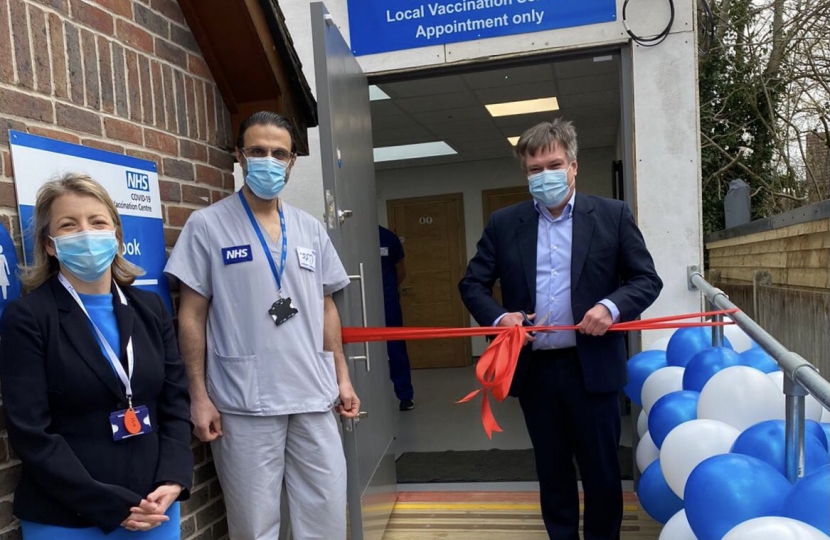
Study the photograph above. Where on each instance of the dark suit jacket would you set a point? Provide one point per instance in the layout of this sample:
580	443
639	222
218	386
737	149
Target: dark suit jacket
59	390
609	260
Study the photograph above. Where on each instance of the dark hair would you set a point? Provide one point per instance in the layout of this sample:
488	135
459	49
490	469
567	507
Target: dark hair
265	118
546	135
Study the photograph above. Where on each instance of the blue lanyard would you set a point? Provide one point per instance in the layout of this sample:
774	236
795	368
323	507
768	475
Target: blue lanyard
255	225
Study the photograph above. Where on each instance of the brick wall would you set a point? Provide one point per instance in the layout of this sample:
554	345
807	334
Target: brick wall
124	76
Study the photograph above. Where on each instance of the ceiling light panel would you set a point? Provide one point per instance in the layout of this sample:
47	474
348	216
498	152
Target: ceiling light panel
412	151
528	106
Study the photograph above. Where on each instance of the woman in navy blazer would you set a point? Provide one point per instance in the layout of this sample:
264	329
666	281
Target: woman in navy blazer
59	350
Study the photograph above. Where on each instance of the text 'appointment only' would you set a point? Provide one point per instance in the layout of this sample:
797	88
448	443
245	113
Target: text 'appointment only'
386	25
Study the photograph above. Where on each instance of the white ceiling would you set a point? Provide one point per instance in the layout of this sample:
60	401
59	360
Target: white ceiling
451	108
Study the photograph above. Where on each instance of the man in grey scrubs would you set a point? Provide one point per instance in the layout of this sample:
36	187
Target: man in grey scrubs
260	336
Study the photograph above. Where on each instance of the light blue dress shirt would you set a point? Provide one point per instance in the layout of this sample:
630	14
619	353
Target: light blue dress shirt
553	278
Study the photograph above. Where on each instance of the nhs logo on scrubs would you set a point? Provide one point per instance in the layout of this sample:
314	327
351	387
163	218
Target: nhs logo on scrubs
237	254
138	181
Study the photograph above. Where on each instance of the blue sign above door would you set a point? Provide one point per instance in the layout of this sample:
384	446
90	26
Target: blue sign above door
377	26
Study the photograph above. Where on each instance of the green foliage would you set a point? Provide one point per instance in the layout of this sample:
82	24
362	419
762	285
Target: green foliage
737	120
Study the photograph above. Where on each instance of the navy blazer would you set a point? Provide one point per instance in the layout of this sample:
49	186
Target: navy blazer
59	390
609	260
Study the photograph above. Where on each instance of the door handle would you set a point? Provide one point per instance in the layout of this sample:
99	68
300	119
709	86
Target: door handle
350	423
406	288
362	279
343	215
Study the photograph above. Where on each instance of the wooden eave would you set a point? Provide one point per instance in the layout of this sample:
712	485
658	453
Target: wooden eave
251	56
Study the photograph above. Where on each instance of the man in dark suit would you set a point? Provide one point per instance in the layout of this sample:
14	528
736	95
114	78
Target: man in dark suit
569	259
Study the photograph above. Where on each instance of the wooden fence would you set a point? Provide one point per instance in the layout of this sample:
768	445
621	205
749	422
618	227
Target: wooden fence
799	319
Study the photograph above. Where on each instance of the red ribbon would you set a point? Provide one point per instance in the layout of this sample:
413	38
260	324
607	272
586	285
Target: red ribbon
496	366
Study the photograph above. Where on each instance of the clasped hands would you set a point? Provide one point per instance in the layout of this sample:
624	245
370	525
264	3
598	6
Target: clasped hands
150	512
596	321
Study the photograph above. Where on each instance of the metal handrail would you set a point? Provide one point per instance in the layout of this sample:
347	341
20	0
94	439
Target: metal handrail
800	376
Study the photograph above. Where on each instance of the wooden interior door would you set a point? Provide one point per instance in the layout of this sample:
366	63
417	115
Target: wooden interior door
494	199
431	230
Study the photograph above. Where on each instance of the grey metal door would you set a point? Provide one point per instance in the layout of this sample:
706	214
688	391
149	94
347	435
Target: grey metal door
351	219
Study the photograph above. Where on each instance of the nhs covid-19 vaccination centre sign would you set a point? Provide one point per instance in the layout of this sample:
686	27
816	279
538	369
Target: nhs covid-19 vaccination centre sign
132	184
377	26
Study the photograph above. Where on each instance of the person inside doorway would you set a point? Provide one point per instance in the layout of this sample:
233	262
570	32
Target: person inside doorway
260	336
568	258
393	268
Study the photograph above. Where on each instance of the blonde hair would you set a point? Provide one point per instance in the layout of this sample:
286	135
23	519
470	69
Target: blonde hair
44	266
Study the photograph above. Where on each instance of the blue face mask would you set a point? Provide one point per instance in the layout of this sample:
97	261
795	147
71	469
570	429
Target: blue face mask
87	254
549	188
266	177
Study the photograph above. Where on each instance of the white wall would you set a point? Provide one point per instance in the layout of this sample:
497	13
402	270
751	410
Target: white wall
665	131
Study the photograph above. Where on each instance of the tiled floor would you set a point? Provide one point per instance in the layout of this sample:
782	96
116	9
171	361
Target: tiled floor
505	510
438	423
494	515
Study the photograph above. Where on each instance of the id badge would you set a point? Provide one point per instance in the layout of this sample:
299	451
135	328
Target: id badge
282	310
120	430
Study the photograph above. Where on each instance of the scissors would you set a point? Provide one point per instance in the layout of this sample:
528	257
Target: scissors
541	322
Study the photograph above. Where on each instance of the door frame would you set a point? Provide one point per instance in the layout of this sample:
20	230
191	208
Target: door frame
351	217
462	249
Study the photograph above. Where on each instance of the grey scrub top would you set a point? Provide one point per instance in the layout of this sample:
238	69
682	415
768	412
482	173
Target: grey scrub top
253	366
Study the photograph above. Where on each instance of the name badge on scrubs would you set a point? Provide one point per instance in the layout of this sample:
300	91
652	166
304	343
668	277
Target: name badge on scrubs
307	258
130	423
384	251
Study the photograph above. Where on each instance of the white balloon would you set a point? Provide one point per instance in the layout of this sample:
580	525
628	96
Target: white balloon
642	424
813	409
677	528
663	381
740	396
690	443
774	528
659	345
647	453
737	337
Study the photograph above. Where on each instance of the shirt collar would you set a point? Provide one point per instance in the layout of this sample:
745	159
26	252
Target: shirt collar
567	212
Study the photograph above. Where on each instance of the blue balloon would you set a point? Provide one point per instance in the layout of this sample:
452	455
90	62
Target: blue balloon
759	359
657	498
728	489
765	441
687	342
669	412
818	431
809	500
705	364
640	366
826	427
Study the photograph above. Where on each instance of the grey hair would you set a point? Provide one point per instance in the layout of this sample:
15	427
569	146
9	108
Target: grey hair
559	133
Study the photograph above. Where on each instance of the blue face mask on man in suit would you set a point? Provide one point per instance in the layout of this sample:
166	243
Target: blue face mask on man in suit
549	188
86	254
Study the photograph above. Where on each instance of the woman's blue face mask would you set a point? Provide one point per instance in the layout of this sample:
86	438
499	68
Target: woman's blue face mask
86	254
